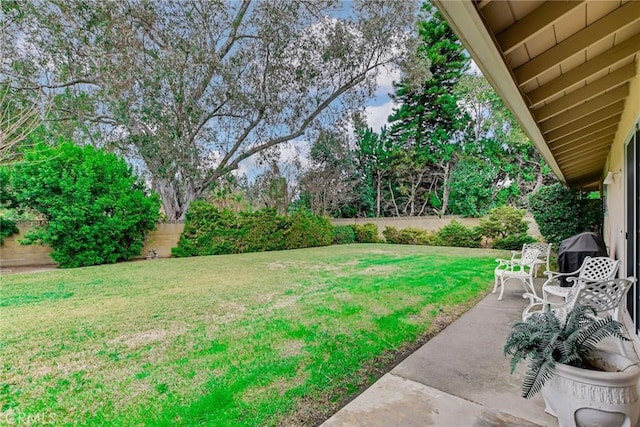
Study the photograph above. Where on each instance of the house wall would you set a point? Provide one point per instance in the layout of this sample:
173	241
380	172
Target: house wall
615	219
614	225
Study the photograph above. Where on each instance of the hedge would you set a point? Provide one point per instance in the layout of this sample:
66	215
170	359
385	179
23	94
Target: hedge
343	235
560	213
210	231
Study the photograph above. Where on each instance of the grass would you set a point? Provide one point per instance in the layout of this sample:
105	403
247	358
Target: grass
255	339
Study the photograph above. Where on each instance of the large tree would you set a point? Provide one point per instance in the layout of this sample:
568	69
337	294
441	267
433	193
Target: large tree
192	88
328	183
502	159
429	120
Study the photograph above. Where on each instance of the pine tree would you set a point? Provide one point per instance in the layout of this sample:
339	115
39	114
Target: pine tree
429	120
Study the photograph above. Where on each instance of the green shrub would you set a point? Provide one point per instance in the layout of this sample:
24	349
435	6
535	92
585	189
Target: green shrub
560	213
262	230
209	231
366	233
7	228
456	234
391	235
409	236
502	222
343	235
97	209
305	230
513	242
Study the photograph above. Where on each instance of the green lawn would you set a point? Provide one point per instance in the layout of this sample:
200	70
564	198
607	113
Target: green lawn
254	339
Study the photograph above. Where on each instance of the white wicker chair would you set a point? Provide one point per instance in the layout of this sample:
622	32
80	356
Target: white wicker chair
544	250
592	269
605	296
520	268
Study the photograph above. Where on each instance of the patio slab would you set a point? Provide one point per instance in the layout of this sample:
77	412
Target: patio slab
460	377
397	401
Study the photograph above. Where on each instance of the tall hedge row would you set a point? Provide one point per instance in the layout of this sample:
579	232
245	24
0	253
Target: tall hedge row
210	231
561	213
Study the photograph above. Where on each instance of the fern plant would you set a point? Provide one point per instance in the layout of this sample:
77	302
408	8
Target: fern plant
545	340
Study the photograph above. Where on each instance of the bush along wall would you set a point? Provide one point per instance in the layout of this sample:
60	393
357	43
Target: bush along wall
506	228
7	228
561	213
366	233
453	234
343	235
210	231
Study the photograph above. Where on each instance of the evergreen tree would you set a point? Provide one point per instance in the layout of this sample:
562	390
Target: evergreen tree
429	120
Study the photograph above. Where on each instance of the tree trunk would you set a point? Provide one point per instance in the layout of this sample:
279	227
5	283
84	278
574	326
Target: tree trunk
445	189
378	194
174	208
393	199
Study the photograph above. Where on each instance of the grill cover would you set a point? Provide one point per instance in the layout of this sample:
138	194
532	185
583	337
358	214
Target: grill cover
575	249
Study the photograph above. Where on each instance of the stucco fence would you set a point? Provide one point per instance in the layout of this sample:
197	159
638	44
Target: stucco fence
13	254
427	223
166	236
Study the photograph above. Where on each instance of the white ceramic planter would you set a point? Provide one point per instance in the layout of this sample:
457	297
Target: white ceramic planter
583	397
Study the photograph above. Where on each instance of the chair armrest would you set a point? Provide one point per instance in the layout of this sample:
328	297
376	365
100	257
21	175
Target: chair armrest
544	305
583	280
536	304
556	274
534	299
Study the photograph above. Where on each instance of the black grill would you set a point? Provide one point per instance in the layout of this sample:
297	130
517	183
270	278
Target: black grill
575	249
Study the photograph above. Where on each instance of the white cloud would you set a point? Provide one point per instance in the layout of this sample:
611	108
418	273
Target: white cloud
377	115
385	80
288	153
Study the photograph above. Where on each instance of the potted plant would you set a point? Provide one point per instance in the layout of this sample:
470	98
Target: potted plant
580	384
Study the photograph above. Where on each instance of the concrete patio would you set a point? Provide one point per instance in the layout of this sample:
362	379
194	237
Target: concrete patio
458	378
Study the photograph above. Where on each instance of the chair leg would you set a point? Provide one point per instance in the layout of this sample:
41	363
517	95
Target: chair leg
501	288
533	289
495	283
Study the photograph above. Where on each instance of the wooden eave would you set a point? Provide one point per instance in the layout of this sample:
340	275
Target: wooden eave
562	67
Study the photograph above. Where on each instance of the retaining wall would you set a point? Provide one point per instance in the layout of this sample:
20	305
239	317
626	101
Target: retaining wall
13	254
166	236
428	223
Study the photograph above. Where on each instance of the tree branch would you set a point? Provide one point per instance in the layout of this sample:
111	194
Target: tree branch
61	85
226	48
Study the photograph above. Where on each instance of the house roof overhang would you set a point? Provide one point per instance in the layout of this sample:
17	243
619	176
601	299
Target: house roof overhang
562	67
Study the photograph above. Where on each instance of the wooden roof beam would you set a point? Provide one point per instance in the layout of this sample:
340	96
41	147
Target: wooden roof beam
593	144
541	18
592	121
609	130
586	131
602	28
601	62
598	152
575	125
588	167
594	88
590	180
595	104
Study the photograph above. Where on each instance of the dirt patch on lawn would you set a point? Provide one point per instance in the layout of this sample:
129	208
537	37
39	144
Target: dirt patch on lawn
28	269
317	409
